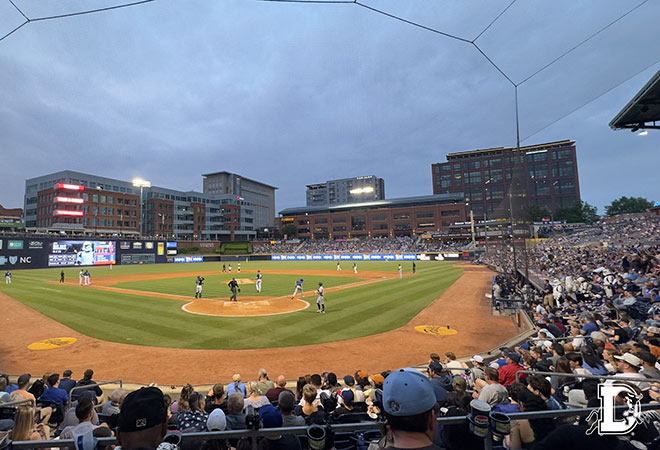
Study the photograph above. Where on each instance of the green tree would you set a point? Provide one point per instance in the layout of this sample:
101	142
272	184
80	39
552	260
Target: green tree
626	205
581	212
289	230
535	213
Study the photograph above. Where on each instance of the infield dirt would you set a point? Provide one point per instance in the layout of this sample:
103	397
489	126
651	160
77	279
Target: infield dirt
462	307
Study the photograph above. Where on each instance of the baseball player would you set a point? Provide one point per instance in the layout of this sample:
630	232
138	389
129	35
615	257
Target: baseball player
199	282
299	287
258	282
338	267
81	275
229	267
8	277
62	277
233	285
86	275
414	267
238	269
224	268
320	300
400	271
354	267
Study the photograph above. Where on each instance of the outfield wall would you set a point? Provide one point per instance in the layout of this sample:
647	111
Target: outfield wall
39	253
443	256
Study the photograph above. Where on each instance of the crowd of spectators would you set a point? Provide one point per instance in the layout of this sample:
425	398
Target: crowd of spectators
400	244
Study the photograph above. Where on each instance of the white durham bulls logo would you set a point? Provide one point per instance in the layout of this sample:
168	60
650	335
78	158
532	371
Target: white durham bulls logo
606	420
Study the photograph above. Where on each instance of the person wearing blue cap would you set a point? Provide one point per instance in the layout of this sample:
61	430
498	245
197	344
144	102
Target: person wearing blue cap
409	401
272	418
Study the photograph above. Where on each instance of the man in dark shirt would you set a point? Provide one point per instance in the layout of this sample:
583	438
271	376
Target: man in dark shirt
274	393
438	379
235	416
66	382
87	381
271	418
54	394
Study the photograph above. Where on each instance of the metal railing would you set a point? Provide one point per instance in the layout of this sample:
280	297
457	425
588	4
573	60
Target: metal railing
587	377
338	428
18	402
87	387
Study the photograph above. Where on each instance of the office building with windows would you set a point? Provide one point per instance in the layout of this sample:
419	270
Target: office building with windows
260	196
80	202
546	175
346	190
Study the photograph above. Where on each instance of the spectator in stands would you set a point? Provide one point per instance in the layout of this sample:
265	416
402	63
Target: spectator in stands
235	415
524	432
39	385
4	395
561	366
54	394
629	367
193	420
66	382
285	403
349	382
236	386
438	381
182	404
541	387
84	413
409	401
25	428
113	405
216	398
332	385
477	369
490	390
275	392
309	410
451	363
87	381
22	383
513	406
142	420
507	374
346	406
263	382
255	397
649	370
70	418
272	418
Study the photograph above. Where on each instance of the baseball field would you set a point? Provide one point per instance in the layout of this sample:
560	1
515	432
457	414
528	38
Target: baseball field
133	321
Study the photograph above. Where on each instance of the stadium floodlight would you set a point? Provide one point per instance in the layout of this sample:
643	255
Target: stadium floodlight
362	190
141	183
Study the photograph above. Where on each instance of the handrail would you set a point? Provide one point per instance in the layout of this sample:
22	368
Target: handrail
18	402
588	377
362	426
88	386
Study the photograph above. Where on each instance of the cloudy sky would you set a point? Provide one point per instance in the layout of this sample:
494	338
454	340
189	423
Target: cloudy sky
291	94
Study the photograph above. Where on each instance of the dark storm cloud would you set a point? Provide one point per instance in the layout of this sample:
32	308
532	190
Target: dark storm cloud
294	94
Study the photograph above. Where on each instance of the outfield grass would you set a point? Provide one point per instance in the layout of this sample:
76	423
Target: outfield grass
135	319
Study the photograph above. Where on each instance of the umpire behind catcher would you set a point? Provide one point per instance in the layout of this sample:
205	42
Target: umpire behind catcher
233	285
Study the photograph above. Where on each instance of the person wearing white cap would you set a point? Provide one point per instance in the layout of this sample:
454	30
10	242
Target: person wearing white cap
477	369
629	366
217	420
409	400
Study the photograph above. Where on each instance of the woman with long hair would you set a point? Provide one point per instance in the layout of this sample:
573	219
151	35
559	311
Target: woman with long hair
562	366
182	404
24	427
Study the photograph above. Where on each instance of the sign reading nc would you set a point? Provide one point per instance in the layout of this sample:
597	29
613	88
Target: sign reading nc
14	260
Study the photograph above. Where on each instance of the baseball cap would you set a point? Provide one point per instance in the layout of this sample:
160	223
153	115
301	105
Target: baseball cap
349	380
513	356
270	416
236	377
459	381
23	379
377	378
363	374
477	358
348	396
630	359
142	409
407	392
217	420
654	330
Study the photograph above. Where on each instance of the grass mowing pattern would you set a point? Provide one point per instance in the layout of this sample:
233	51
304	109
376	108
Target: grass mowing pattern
133	319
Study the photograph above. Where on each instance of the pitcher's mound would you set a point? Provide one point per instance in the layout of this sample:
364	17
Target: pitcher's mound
245	306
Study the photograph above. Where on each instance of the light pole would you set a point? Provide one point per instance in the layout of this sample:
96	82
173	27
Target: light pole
162	222
141	183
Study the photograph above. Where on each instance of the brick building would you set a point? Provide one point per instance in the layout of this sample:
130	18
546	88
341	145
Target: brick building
385	218
548	177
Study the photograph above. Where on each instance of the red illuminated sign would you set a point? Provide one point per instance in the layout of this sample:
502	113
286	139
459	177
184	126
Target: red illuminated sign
71	187
64	212
69	200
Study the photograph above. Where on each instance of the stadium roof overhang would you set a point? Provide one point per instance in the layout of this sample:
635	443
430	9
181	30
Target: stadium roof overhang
643	111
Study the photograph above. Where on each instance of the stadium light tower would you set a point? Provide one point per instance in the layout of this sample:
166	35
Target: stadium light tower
141	183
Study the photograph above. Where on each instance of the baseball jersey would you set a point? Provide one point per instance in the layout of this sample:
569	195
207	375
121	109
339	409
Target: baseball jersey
320	291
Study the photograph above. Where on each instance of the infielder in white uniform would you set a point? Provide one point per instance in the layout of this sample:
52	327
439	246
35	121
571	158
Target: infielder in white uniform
320	300
258	282
8	277
239	268
354	267
80	277
338	266
400	271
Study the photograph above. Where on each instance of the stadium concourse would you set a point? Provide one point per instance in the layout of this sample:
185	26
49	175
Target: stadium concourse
594	308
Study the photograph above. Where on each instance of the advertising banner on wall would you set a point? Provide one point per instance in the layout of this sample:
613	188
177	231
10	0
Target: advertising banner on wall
82	253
